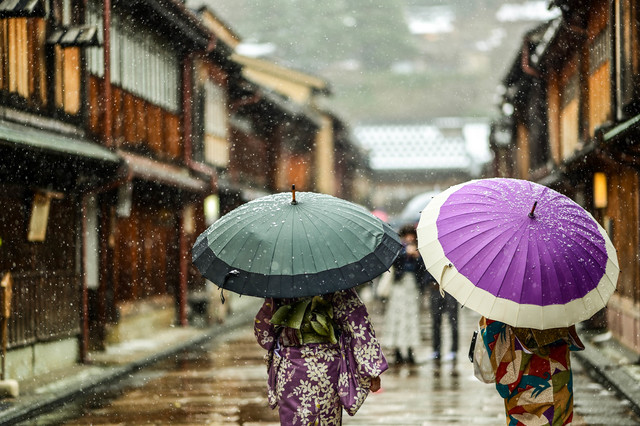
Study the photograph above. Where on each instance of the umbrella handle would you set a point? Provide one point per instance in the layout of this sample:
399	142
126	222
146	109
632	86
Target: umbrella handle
444	268
233	272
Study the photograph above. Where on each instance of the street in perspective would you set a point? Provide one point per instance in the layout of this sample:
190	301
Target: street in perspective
250	212
223	382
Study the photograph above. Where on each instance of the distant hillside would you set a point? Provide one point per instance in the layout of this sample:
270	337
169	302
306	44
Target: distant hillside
392	60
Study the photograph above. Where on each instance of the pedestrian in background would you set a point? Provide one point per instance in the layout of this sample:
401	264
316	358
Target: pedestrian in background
402	314
322	356
442	305
532	371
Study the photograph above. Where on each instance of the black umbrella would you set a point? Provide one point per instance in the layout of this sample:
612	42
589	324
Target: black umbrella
280	246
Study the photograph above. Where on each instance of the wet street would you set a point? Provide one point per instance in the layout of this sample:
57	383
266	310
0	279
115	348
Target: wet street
224	383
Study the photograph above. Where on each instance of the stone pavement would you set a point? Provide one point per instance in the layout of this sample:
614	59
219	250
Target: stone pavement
47	392
612	364
403	386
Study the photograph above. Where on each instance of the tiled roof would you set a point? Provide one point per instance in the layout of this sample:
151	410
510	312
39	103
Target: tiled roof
411	147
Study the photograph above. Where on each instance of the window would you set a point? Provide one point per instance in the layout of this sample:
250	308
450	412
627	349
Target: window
216	144
627	14
215	110
138	59
141	63
95	56
21	57
600	50
66	12
599	80
569	116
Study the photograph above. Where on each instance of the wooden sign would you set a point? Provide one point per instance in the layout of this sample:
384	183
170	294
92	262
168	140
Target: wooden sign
40	214
6	287
39	217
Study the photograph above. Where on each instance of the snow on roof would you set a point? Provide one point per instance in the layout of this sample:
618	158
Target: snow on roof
419	147
255	50
527	11
430	19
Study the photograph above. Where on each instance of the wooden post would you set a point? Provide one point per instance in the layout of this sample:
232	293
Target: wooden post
184	271
6	286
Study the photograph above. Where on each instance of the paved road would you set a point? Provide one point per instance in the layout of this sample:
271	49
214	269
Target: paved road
223	383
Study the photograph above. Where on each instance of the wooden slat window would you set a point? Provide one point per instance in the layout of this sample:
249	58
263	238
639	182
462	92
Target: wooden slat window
22	58
143	64
95	55
215	110
46	286
599	80
67	67
216	143
600	50
627	13
569	115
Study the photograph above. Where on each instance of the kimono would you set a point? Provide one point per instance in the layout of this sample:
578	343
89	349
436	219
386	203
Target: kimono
311	383
402	314
532	371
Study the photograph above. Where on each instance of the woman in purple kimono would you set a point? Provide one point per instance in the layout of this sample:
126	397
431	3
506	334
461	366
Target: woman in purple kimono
322	356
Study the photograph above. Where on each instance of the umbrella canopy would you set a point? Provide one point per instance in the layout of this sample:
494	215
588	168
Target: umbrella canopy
411	213
518	252
313	245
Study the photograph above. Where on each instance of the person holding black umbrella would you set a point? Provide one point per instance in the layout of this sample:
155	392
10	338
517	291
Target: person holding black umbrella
305	255
322	356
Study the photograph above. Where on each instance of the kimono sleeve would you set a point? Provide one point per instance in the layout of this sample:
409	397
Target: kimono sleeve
354	322
265	332
506	358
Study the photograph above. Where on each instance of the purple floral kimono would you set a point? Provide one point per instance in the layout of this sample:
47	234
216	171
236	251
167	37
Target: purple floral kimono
311	383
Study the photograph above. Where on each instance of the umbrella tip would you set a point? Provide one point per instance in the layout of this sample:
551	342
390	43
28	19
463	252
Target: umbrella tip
531	215
293	193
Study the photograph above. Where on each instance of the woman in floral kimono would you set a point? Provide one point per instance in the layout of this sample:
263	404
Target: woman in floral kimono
322	356
533	371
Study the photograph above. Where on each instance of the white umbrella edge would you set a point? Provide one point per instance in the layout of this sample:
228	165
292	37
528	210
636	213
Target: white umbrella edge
504	310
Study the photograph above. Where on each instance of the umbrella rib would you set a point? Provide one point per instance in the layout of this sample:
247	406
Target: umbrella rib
490	219
498	235
563	260
273	253
221	232
473	225
579	223
350	230
488	269
481	184
328	246
350	215
313	260
511	260
591	255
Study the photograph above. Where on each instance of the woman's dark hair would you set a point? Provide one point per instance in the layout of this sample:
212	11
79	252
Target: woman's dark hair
408	229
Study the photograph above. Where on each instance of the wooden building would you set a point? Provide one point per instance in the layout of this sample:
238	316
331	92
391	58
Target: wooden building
118	122
306	143
51	167
102	187
139	92
570	121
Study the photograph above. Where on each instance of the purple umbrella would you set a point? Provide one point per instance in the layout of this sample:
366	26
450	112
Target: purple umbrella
518	252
